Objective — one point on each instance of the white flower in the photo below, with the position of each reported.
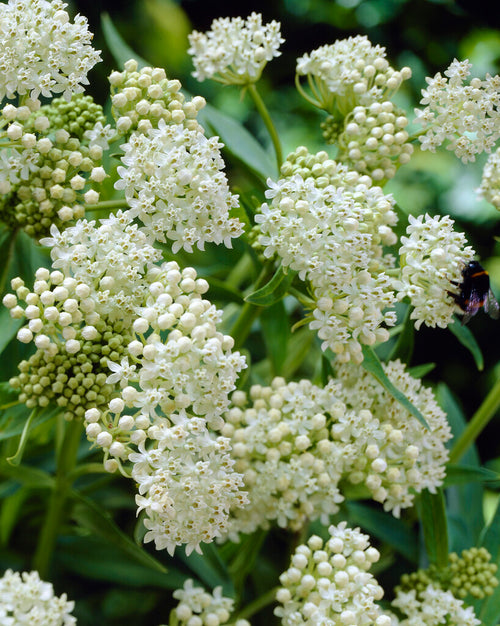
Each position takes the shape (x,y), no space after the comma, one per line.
(235,51)
(329,583)
(100,135)
(434,606)
(432,259)
(187,484)
(468,116)
(25,599)
(350,72)
(330,227)
(174,183)
(41,51)
(386,448)
(490,182)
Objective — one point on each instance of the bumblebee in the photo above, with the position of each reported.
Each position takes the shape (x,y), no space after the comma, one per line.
(475,292)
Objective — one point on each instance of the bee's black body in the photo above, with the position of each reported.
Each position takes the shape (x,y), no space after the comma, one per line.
(475,292)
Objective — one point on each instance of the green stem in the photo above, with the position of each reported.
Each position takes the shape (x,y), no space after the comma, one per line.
(87,468)
(264,113)
(478,422)
(249,312)
(18,456)
(66,462)
(258,604)
(11,242)
(240,272)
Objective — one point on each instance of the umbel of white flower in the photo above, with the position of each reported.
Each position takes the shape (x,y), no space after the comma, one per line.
(328,224)
(465,116)
(328,582)
(348,73)
(432,259)
(25,599)
(41,51)
(174,183)
(490,181)
(235,51)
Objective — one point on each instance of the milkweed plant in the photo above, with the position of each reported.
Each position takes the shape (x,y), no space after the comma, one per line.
(217,423)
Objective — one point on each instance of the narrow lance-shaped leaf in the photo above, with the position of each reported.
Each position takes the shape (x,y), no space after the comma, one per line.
(467,339)
(372,364)
(120,50)
(274,290)
(434,526)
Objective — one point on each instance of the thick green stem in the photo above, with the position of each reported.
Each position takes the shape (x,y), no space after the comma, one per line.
(264,113)
(478,422)
(66,462)
(106,206)
(4,272)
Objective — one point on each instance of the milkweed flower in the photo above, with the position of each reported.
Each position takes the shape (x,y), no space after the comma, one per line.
(432,259)
(348,73)
(490,181)
(328,582)
(466,116)
(235,51)
(433,606)
(174,183)
(25,599)
(328,224)
(41,51)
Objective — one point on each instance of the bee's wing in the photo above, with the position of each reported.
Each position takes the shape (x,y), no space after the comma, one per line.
(491,306)
(473,303)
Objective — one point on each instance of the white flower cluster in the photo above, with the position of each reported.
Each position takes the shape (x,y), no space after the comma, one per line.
(235,51)
(41,51)
(385,447)
(333,235)
(25,599)
(434,606)
(468,116)
(375,141)
(290,465)
(329,582)
(174,183)
(110,259)
(432,259)
(490,181)
(187,483)
(46,171)
(140,98)
(197,607)
(350,72)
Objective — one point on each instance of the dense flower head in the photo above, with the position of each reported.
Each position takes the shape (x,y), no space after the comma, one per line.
(432,259)
(390,451)
(174,183)
(187,483)
(490,181)
(73,344)
(47,173)
(41,51)
(235,51)
(330,226)
(290,465)
(197,607)
(434,607)
(374,140)
(328,582)
(350,72)
(25,599)
(466,116)
(140,98)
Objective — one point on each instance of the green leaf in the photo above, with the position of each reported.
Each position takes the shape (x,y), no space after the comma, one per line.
(299,346)
(385,527)
(465,474)
(490,538)
(274,290)
(120,50)
(9,327)
(89,515)
(239,142)
(275,330)
(13,419)
(209,567)
(490,612)
(27,475)
(8,395)
(419,371)
(219,290)
(372,364)
(10,512)
(434,526)
(403,349)
(467,339)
